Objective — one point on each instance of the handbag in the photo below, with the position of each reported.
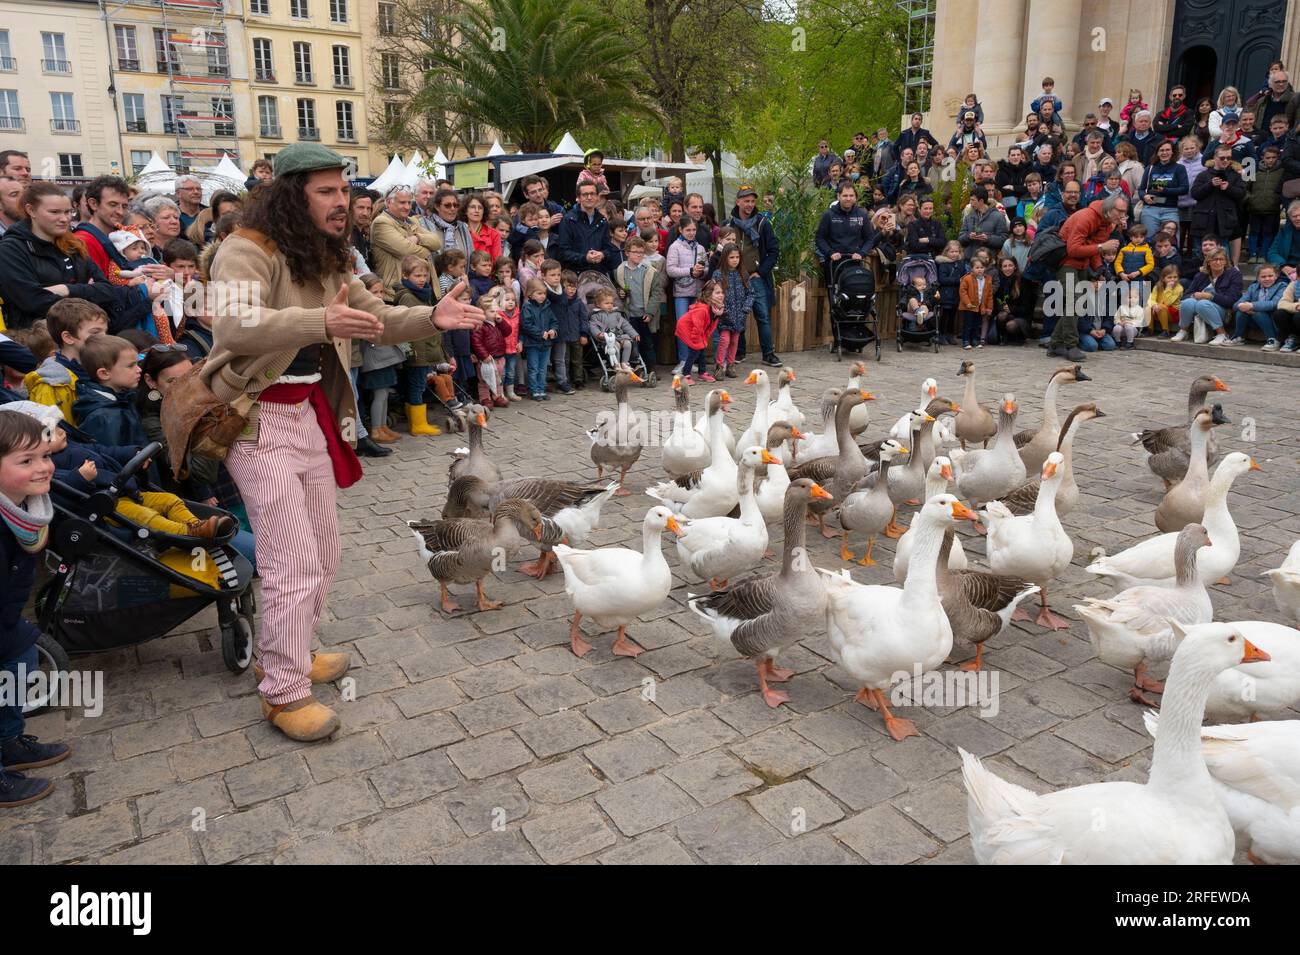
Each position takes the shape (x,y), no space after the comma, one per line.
(196,421)
(1291,189)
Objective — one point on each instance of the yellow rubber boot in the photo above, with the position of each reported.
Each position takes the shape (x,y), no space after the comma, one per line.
(419,422)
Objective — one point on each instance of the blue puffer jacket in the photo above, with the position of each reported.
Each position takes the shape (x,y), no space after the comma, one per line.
(17,576)
(108,461)
(950,274)
(109,417)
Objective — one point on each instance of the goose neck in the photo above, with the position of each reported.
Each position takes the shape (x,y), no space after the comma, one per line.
(921,583)
(1050,420)
(1177,766)
(796,533)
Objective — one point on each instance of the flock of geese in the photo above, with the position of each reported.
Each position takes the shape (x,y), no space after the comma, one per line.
(721,492)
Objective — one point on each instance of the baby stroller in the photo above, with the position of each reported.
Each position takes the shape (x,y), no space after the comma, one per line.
(928,332)
(853,307)
(116,583)
(607,357)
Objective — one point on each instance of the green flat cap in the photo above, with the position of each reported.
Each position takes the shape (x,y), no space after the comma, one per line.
(306,157)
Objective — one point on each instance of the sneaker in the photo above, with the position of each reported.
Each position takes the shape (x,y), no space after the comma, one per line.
(26,752)
(773,359)
(546,397)
(677,368)
(1290,344)
(740,356)
(514,395)
(979,344)
(1181,336)
(18,790)
(1221,339)
(705,376)
(566,389)
(539,397)
(687,379)
(1165,335)
(1233,341)
(1271,345)
(731,371)
(968,347)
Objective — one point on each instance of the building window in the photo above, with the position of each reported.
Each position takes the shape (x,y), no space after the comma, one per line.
(178,160)
(920,56)
(10,117)
(172,107)
(128,54)
(391,69)
(393,116)
(307,128)
(342,66)
(263,60)
(139,159)
(64,117)
(387,19)
(133,113)
(302,63)
(164,51)
(54,58)
(431,125)
(268,116)
(7,62)
(338,11)
(70,166)
(218,56)
(223,107)
(260,7)
(298,10)
(347,130)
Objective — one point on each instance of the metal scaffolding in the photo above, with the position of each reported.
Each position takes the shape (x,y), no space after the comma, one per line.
(190,46)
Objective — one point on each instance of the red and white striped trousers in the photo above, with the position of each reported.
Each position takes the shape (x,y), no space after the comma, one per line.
(287,483)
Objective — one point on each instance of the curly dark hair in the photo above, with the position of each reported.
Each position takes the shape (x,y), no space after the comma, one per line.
(278,211)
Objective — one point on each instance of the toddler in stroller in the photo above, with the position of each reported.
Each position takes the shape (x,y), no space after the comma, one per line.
(918,303)
(613,338)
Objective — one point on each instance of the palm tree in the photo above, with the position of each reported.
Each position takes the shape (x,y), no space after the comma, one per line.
(530,69)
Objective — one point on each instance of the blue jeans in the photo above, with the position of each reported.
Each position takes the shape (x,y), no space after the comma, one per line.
(680,305)
(1088,343)
(508,378)
(1209,311)
(1152,216)
(362,433)
(693,357)
(762,315)
(417,379)
(537,357)
(1262,319)
(11,717)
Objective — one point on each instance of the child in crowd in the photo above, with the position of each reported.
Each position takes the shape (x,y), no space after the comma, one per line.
(922,304)
(739,300)
(1094,321)
(480,272)
(1017,244)
(695,329)
(182,257)
(674,191)
(1257,306)
(1166,251)
(1263,202)
(975,305)
(1135,263)
(379,371)
(489,344)
(22,350)
(1130,317)
(1036,105)
(1135,104)
(1033,192)
(593,171)
(456,344)
(617,236)
(571,316)
(503,271)
(1163,303)
(105,405)
(504,226)
(525,229)
(133,247)
(641,289)
(26,470)
(423,355)
(952,267)
(539,328)
(509,312)
(607,322)
(530,262)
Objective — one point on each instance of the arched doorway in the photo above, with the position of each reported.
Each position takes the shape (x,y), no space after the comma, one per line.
(1197,70)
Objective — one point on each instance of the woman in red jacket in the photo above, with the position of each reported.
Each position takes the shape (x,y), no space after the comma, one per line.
(695,328)
(473,212)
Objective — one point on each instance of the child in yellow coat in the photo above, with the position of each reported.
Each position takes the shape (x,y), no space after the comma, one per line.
(1165,296)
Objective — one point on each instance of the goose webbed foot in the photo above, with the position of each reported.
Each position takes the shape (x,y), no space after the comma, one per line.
(448,605)
(1050,620)
(777,674)
(866,698)
(579,646)
(623,647)
(973,666)
(1137,696)
(483,602)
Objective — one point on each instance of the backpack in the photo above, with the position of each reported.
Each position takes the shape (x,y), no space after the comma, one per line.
(1048,249)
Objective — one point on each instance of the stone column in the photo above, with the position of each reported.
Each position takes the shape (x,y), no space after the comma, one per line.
(999,62)
(1052,49)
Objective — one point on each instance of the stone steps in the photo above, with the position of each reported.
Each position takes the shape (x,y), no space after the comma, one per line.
(1249,353)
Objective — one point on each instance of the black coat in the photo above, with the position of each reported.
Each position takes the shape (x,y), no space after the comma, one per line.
(1010,179)
(29,265)
(1218,211)
(844,232)
(931,229)
(950,275)
(17,576)
(577,236)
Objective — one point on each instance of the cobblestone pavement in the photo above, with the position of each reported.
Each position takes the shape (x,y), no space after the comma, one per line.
(483,739)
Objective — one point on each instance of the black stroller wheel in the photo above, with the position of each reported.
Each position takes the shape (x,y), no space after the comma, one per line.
(934,344)
(900,348)
(898,342)
(237,644)
(651,380)
(604,383)
(51,658)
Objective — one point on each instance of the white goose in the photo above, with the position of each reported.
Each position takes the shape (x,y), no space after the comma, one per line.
(615,585)
(1033,546)
(869,509)
(1175,818)
(756,433)
(715,492)
(772,488)
(718,548)
(984,474)
(728,437)
(686,450)
(937,480)
(826,444)
(1286,584)
(1260,690)
(1256,772)
(944,432)
(784,408)
(1132,629)
(1035,444)
(1152,561)
(860,420)
(879,632)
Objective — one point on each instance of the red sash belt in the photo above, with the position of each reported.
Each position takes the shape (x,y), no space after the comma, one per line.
(344,461)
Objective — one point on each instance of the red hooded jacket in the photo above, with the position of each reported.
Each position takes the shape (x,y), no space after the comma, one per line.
(696,327)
